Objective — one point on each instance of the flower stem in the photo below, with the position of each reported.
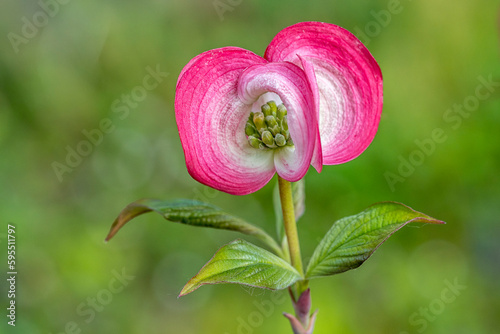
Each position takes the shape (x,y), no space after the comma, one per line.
(292,236)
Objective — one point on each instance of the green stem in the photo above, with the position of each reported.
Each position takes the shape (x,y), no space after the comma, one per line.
(292,236)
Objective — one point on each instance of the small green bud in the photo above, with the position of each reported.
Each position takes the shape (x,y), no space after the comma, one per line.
(271,121)
(272,125)
(272,104)
(280,140)
(268,139)
(266,110)
(255,142)
(284,123)
(281,112)
(259,121)
(250,129)
(286,134)
(275,130)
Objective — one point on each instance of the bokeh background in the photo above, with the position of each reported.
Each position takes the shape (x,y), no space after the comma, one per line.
(65,74)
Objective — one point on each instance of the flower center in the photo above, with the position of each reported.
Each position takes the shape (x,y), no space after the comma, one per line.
(268,128)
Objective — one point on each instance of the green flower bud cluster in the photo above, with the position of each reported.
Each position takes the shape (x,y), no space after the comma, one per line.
(268,128)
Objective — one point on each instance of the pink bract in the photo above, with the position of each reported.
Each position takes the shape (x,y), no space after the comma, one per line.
(326,78)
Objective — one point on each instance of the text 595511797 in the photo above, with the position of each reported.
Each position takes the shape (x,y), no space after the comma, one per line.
(11,274)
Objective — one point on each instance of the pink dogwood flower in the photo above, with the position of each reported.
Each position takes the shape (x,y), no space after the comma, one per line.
(315,98)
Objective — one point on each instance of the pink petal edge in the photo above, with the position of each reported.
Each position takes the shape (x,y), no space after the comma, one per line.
(317,159)
(211,120)
(349,82)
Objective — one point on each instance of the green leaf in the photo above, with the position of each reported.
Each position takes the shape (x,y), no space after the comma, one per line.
(193,213)
(299,204)
(352,240)
(244,263)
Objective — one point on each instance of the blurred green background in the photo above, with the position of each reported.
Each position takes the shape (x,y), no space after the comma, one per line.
(62,74)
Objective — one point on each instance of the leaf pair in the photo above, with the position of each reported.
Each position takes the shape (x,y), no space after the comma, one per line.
(349,242)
